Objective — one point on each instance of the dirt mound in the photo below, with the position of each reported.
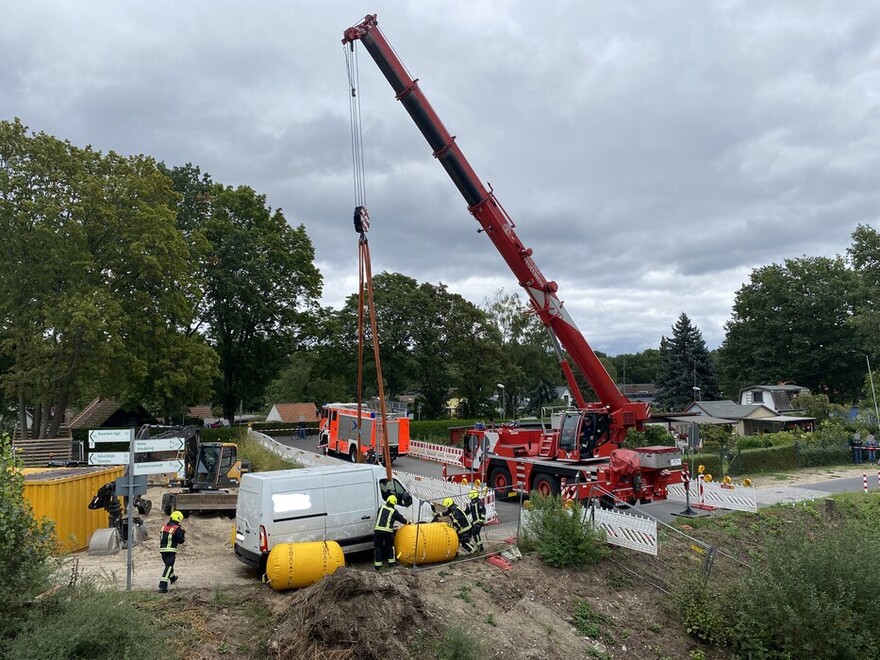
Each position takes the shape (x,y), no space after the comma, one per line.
(354,614)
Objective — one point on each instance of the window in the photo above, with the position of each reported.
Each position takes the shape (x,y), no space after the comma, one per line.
(758,397)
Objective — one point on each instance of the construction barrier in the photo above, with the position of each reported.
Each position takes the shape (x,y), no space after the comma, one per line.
(714,495)
(428,489)
(437,453)
(626,530)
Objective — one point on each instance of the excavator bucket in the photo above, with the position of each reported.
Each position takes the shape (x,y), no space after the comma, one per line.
(105,541)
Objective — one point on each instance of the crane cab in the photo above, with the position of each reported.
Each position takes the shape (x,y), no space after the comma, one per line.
(581,434)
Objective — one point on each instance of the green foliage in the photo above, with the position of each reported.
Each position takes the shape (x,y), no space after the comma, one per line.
(685,363)
(25,543)
(460,644)
(810,570)
(792,322)
(818,407)
(236,434)
(652,435)
(563,540)
(587,621)
(262,460)
(87,623)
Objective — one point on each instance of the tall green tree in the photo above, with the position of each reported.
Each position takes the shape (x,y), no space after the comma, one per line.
(864,255)
(91,278)
(641,367)
(685,364)
(261,285)
(791,322)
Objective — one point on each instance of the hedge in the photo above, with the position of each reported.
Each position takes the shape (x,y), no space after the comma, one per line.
(772,459)
(225,434)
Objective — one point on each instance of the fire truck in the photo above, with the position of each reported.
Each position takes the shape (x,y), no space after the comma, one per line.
(579,455)
(338,431)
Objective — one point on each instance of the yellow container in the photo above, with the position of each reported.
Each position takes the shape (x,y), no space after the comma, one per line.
(63,494)
(425,543)
(297,565)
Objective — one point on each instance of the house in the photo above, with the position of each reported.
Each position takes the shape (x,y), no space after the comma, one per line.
(779,398)
(645,392)
(751,419)
(564,393)
(107,413)
(293,413)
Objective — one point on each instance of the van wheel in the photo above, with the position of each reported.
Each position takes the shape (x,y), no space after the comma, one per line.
(353,455)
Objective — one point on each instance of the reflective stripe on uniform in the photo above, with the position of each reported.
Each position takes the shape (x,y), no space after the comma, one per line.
(383,518)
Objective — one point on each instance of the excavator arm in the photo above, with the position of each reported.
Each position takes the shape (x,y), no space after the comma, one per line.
(498,226)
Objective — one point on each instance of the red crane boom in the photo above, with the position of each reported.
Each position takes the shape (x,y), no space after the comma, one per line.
(498,226)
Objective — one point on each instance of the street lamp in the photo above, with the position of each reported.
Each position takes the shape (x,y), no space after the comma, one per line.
(501,398)
(697,393)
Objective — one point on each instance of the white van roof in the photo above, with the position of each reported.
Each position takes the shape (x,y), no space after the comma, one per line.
(312,471)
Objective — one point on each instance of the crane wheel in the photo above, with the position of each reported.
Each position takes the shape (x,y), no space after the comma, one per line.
(545,484)
(499,479)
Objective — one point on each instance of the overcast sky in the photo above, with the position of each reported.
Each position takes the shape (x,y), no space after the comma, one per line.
(651,153)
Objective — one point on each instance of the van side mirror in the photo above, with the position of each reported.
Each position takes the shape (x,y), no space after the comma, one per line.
(406,499)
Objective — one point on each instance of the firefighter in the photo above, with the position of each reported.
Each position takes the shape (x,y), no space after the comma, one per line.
(383,532)
(476,511)
(171,537)
(460,523)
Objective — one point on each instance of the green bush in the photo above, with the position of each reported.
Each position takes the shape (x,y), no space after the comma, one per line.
(25,543)
(800,598)
(460,644)
(652,436)
(87,623)
(224,434)
(753,442)
(262,460)
(563,540)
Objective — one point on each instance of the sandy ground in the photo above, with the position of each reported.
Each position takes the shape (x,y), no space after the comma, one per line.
(205,560)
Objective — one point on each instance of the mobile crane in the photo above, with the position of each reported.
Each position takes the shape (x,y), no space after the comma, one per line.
(580,456)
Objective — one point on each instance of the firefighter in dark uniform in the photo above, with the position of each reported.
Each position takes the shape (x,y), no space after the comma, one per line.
(383,532)
(460,523)
(476,511)
(171,537)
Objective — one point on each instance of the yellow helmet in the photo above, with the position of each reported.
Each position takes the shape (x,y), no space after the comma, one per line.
(448,502)
(177,516)
(392,500)
(474,494)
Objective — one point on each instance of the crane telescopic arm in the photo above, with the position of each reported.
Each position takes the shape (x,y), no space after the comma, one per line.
(499,227)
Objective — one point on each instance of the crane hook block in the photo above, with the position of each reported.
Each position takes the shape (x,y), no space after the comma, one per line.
(552,287)
(361,220)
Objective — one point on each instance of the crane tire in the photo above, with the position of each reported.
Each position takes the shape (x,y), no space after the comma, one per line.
(545,484)
(499,479)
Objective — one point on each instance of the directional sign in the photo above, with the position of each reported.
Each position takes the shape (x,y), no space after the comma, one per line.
(159,444)
(109,435)
(108,458)
(157,467)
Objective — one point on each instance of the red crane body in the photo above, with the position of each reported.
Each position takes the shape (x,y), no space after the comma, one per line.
(609,419)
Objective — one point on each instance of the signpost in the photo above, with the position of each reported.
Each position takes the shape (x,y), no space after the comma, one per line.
(134,482)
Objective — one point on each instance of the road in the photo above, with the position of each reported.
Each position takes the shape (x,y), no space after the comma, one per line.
(664,511)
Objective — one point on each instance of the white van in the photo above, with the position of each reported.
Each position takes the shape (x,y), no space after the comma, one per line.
(329,503)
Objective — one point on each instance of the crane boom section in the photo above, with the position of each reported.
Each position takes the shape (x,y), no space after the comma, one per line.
(498,226)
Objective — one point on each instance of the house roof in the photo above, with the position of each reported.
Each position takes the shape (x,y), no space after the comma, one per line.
(94,414)
(780,394)
(730,409)
(291,412)
(201,412)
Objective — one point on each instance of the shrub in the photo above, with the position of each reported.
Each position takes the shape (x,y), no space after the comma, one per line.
(801,597)
(460,644)
(25,543)
(262,460)
(87,623)
(562,537)
(653,435)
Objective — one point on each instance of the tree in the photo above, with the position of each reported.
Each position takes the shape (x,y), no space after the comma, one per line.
(865,258)
(94,271)
(685,364)
(641,367)
(791,322)
(260,285)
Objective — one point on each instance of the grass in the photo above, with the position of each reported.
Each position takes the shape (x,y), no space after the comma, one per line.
(262,460)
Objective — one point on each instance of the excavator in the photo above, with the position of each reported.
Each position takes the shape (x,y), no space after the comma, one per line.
(210,469)
(580,455)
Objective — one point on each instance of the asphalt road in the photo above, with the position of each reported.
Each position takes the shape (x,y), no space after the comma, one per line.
(663,511)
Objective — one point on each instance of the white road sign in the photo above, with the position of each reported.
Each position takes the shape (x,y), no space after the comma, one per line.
(158,444)
(157,467)
(108,458)
(109,435)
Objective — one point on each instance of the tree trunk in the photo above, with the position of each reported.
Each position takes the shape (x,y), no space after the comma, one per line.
(45,415)
(58,417)
(22,413)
